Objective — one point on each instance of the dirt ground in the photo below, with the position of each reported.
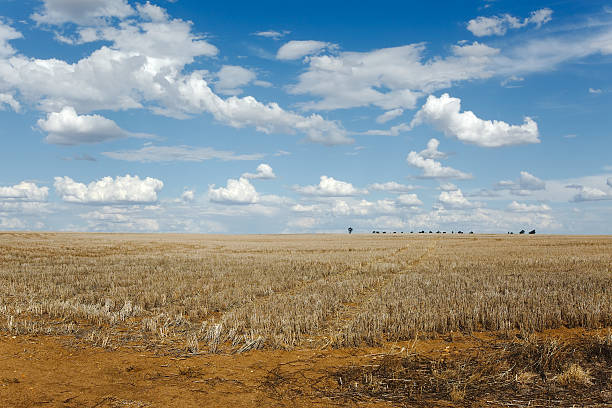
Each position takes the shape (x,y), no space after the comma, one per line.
(51,372)
(46,371)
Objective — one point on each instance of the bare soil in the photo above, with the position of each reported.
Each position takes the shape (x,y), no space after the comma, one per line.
(53,371)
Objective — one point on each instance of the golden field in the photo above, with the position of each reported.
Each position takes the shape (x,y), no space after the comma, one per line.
(198,295)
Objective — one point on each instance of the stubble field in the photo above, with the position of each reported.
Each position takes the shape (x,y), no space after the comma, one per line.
(418,320)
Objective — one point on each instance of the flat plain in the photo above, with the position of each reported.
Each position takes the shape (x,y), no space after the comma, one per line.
(276,320)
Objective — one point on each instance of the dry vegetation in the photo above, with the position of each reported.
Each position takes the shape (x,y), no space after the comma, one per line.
(191,295)
(224,293)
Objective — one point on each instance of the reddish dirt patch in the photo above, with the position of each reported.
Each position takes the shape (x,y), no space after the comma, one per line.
(57,372)
(51,372)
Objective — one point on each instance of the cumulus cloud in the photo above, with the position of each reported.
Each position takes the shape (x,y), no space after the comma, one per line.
(9,100)
(153,154)
(454,199)
(444,113)
(143,66)
(7,33)
(297,49)
(363,207)
(499,25)
(24,191)
(586,193)
(11,223)
(391,187)
(264,172)
(330,187)
(432,168)
(432,152)
(188,196)
(409,200)
(120,190)
(448,187)
(390,78)
(239,191)
(525,185)
(231,78)
(389,115)
(69,128)
(303,223)
(83,12)
(267,118)
(398,77)
(609,181)
(523,207)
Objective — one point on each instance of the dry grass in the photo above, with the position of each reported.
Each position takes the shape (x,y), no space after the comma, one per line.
(574,375)
(195,294)
(523,372)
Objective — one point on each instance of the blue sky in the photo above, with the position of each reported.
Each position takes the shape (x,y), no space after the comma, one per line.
(273,117)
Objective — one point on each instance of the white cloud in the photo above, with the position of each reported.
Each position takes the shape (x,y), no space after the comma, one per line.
(389,115)
(528,181)
(297,49)
(231,78)
(590,194)
(121,190)
(525,184)
(68,128)
(409,200)
(8,99)
(110,218)
(144,67)
(387,221)
(83,12)
(432,152)
(151,12)
(152,154)
(512,81)
(392,187)
(432,168)
(142,64)
(330,187)
(303,223)
(595,90)
(609,181)
(499,25)
(398,77)
(276,35)
(454,199)
(264,172)
(239,191)
(481,220)
(448,187)
(24,191)
(267,118)
(362,207)
(188,196)
(11,223)
(523,207)
(389,78)
(7,33)
(393,131)
(299,208)
(444,113)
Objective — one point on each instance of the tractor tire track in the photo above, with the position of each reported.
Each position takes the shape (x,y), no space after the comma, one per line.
(342,320)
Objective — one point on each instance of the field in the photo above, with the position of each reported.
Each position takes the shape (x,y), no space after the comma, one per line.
(374,320)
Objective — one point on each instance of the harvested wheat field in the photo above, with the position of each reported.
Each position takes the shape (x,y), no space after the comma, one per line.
(116,320)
